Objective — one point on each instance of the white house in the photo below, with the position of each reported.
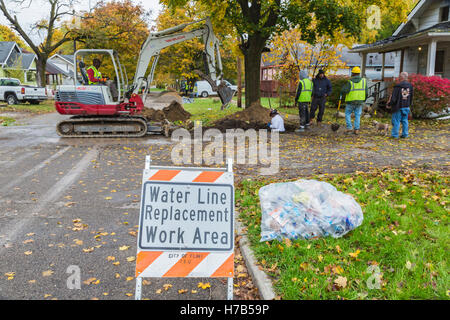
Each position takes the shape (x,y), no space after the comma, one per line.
(421,44)
(373,64)
(65,63)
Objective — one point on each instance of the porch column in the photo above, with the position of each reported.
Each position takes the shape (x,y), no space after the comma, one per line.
(383,61)
(363,64)
(431,57)
(402,58)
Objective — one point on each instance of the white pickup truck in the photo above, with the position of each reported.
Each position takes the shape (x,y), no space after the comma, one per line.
(13,92)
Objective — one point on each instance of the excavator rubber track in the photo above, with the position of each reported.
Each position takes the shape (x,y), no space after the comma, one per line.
(102,127)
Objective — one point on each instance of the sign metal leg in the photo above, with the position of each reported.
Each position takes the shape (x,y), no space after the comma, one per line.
(138,293)
(230,289)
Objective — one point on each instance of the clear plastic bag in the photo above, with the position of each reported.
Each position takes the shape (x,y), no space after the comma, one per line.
(306,209)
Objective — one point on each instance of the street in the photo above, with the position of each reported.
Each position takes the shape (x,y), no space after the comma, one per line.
(72,205)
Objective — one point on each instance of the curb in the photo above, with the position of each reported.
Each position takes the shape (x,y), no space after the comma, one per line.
(262,281)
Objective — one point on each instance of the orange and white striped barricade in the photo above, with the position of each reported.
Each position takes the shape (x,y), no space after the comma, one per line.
(186,224)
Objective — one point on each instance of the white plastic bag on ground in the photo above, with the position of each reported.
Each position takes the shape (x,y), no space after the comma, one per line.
(306,209)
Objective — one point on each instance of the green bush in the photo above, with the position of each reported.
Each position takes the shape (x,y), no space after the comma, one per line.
(337,82)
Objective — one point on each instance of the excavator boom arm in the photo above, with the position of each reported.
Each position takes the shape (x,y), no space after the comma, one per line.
(166,38)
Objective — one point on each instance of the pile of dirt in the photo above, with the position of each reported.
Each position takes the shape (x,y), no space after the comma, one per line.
(255,117)
(168,97)
(173,112)
(153,115)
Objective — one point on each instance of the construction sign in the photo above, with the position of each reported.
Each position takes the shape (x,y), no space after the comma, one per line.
(186,223)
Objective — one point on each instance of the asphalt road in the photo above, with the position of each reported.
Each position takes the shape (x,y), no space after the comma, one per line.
(69,205)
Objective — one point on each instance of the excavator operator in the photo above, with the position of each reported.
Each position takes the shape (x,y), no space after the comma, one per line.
(95,77)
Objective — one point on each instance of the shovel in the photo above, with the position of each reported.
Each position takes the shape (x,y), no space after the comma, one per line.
(335,126)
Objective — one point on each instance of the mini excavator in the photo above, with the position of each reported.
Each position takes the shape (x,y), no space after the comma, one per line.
(97,113)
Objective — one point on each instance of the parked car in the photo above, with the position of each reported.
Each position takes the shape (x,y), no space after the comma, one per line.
(203,88)
(13,92)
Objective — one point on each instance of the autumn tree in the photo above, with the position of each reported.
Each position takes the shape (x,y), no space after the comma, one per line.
(182,59)
(6,34)
(380,17)
(118,25)
(292,54)
(256,21)
(59,10)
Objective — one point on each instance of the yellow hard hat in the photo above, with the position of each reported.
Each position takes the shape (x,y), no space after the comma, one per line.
(356,70)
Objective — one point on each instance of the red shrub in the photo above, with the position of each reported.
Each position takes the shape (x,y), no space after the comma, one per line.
(431,94)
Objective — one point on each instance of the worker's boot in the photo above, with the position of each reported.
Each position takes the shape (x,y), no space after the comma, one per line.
(301,129)
(356,132)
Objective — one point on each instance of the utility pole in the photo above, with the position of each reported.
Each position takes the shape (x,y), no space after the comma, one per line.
(74,40)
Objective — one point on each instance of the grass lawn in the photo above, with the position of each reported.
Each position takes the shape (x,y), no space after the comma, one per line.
(404,236)
(6,121)
(44,107)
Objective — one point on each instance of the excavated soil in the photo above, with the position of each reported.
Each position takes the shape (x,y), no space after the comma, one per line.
(173,112)
(255,117)
(168,97)
(176,112)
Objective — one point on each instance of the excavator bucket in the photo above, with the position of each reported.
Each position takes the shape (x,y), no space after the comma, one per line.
(225,93)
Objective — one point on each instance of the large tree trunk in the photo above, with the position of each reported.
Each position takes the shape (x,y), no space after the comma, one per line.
(252,66)
(40,76)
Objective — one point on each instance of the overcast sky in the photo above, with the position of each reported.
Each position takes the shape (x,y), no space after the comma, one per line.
(34,10)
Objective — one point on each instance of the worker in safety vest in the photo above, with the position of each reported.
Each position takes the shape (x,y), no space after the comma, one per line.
(95,76)
(355,91)
(303,100)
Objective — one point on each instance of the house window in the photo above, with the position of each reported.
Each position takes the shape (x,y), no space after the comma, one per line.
(444,14)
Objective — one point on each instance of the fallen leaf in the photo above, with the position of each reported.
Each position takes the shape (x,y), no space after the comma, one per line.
(354,254)
(341,282)
(203,285)
(409,265)
(89,281)
(10,275)
(47,273)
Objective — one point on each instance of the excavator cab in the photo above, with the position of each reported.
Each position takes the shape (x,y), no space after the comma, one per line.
(107,93)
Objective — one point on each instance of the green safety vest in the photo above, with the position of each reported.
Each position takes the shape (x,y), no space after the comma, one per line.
(97,74)
(306,93)
(357,91)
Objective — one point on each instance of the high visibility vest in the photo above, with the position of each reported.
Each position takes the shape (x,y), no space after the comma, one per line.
(357,91)
(306,93)
(97,74)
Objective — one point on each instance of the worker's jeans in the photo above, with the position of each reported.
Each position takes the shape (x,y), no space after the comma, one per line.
(357,110)
(400,116)
(318,102)
(303,112)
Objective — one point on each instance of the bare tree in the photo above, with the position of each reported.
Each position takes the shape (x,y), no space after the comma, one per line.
(58,10)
